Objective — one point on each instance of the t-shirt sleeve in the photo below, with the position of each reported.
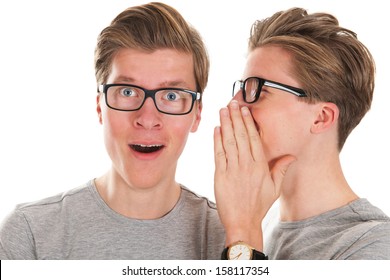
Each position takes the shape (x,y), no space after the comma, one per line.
(16,239)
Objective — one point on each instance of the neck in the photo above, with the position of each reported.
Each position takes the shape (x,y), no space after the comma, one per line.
(313,188)
(140,201)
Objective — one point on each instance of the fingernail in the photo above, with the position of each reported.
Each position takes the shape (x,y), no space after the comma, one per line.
(224,112)
(234,104)
(245,111)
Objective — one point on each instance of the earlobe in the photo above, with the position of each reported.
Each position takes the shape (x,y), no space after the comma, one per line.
(327,117)
(99,109)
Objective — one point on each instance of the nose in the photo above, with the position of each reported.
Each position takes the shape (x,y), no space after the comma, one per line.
(148,117)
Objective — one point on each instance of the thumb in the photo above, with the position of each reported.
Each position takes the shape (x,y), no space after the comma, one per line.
(279,170)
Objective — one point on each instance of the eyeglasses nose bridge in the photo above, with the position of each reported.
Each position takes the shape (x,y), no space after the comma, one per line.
(151,94)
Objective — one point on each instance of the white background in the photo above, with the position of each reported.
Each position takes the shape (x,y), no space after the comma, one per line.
(51,141)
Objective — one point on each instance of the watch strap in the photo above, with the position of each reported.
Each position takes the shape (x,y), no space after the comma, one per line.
(256,255)
(224,254)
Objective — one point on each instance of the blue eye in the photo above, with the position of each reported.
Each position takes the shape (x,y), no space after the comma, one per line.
(171,96)
(127,92)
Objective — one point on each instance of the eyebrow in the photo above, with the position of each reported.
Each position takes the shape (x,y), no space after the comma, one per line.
(174,83)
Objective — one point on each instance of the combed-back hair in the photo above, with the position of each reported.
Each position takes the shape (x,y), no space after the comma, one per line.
(150,27)
(331,64)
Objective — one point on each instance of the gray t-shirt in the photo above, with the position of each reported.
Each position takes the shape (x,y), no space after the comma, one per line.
(78,224)
(358,230)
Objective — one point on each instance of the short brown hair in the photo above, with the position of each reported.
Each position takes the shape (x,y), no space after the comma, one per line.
(331,64)
(150,27)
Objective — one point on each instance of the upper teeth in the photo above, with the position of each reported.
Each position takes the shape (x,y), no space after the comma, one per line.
(148,146)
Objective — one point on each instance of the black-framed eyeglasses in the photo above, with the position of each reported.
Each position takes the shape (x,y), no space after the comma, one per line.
(251,88)
(171,101)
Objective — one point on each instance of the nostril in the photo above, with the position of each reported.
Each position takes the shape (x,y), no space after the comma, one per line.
(148,124)
(148,120)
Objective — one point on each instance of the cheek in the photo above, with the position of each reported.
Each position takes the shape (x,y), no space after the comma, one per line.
(273,133)
(113,125)
(279,133)
(179,129)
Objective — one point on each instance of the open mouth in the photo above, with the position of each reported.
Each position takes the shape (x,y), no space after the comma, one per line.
(146,148)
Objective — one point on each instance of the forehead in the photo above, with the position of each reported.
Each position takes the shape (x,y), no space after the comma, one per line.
(271,63)
(162,67)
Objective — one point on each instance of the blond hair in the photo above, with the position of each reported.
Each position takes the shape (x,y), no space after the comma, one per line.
(331,64)
(150,27)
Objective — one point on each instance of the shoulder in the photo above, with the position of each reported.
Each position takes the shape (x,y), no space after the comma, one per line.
(371,233)
(197,200)
(372,244)
(44,211)
(367,211)
(55,203)
(198,207)
(365,217)
(202,216)
(20,230)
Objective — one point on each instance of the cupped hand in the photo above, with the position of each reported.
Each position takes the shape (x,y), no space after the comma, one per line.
(245,188)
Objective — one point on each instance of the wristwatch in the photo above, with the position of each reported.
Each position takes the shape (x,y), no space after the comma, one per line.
(242,251)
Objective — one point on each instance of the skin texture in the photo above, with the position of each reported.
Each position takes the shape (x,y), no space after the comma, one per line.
(137,182)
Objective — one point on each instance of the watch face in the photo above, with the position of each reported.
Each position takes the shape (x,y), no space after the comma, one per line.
(239,252)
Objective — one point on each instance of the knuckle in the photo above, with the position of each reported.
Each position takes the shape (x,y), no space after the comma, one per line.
(220,154)
(254,138)
(230,142)
(242,135)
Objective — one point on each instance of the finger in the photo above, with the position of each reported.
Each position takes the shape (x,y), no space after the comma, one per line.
(219,152)
(228,139)
(254,138)
(240,133)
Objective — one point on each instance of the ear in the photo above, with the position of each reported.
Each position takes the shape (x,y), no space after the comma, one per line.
(327,117)
(99,109)
(198,116)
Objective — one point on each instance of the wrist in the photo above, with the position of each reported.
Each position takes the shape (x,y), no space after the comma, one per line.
(251,236)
